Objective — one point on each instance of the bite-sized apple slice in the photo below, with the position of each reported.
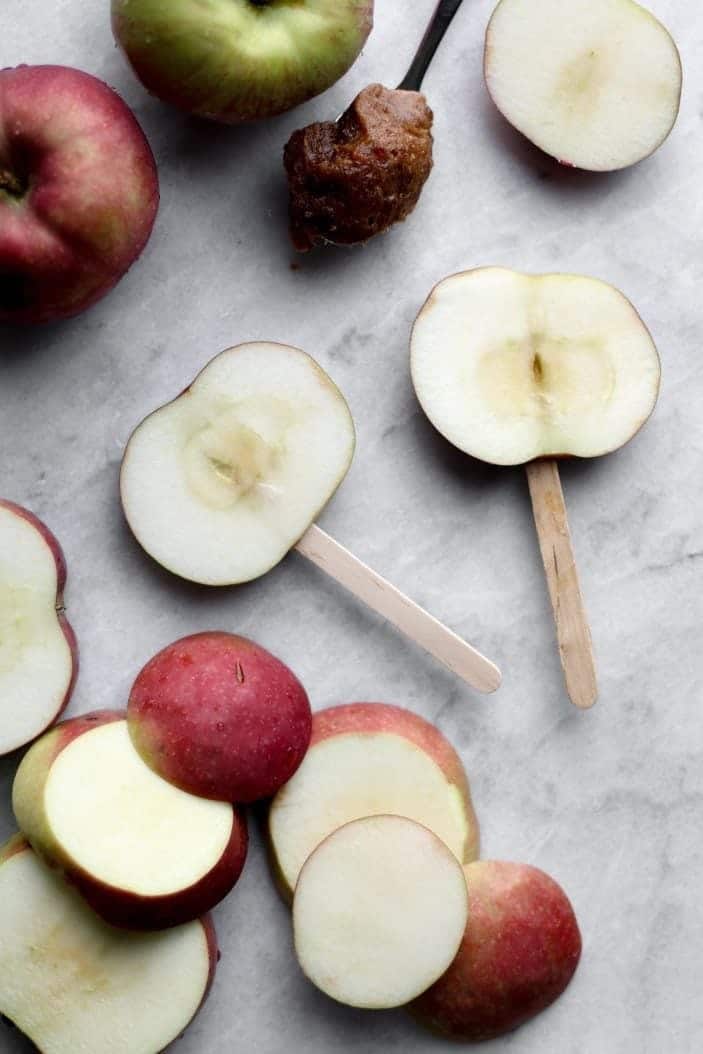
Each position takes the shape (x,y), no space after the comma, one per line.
(512,367)
(242,461)
(71,983)
(38,649)
(144,854)
(368,759)
(221,717)
(379,912)
(594,83)
(519,952)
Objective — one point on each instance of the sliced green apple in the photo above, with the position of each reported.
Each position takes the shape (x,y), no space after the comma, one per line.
(512,367)
(594,83)
(219,484)
(71,983)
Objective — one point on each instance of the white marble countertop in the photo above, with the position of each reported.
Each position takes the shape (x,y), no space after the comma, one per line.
(610,801)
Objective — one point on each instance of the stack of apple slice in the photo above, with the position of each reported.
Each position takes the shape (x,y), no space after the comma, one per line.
(376,841)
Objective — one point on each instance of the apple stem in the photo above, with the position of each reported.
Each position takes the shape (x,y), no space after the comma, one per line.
(11,184)
(439,24)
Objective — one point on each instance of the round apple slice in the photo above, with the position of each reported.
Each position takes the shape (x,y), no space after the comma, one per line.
(369,759)
(38,649)
(71,983)
(144,854)
(594,83)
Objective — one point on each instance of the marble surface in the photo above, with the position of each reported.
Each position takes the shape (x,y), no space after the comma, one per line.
(610,801)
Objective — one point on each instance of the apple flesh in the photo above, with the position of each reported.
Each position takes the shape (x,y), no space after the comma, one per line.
(594,83)
(512,367)
(379,912)
(519,952)
(242,461)
(368,759)
(144,854)
(240,60)
(220,717)
(79,192)
(71,983)
(38,649)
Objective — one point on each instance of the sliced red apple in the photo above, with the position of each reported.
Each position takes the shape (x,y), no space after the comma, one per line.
(512,367)
(71,983)
(368,759)
(241,462)
(38,649)
(379,912)
(144,854)
(594,83)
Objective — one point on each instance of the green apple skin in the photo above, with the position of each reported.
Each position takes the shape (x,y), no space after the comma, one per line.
(240,60)
(519,952)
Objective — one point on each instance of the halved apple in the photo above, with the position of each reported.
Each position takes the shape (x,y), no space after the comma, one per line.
(144,854)
(594,83)
(512,367)
(38,649)
(379,912)
(219,484)
(71,983)
(368,759)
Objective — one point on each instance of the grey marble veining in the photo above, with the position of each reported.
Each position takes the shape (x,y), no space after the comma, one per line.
(610,802)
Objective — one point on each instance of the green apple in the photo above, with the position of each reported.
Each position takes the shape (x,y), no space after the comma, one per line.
(240,60)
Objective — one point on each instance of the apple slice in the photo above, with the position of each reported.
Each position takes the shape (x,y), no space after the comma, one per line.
(144,854)
(368,759)
(594,83)
(38,649)
(379,912)
(242,462)
(71,983)
(512,367)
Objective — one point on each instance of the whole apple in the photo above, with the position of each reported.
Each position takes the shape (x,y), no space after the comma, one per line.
(79,192)
(240,60)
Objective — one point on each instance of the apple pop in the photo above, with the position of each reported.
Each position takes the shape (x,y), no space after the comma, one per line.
(221,483)
(520,369)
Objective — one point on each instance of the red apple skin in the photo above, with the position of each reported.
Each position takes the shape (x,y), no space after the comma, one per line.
(117,907)
(220,717)
(521,947)
(69,236)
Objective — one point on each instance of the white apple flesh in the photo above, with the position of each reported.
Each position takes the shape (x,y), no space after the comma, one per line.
(38,650)
(71,983)
(594,83)
(512,367)
(219,484)
(379,912)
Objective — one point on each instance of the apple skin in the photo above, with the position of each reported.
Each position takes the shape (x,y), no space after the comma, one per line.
(117,907)
(220,717)
(79,192)
(211,59)
(519,952)
(61,574)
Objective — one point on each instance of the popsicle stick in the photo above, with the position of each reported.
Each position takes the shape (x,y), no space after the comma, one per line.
(573,634)
(398,609)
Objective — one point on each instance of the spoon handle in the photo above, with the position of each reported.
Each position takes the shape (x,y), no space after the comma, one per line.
(441,20)
(396,608)
(573,634)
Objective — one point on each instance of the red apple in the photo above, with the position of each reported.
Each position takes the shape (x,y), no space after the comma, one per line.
(520,950)
(78,192)
(38,648)
(144,854)
(221,717)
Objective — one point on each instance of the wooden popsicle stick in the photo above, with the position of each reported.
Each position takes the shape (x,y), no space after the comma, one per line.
(573,633)
(398,609)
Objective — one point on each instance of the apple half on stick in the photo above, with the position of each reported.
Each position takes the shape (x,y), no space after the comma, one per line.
(368,759)
(594,83)
(144,854)
(71,983)
(379,912)
(38,648)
